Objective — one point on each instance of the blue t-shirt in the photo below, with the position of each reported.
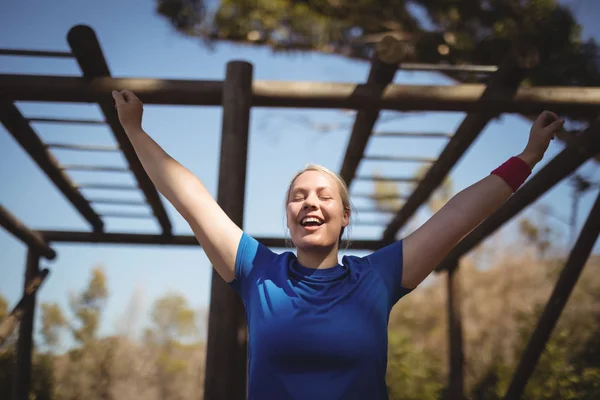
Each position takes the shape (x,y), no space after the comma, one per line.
(317,333)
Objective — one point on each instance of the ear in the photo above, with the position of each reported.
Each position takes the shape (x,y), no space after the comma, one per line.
(346,218)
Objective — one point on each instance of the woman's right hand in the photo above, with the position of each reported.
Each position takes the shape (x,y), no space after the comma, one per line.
(129,108)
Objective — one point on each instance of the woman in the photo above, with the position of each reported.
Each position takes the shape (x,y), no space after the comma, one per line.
(318,328)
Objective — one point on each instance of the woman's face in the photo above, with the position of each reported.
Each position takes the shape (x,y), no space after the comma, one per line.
(315,213)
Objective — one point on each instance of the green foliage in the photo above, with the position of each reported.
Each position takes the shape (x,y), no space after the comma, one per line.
(413,373)
(87,307)
(172,318)
(53,321)
(3,308)
(461,32)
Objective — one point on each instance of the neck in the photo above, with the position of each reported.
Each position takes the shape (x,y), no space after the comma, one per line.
(318,258)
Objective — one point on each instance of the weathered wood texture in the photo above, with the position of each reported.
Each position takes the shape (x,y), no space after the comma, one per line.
(32,239)
(87,51)
(283,94)
(502,87)
(22,377)
(226,350)
(23,133)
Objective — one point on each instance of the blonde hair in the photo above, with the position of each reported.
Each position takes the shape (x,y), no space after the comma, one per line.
(342,188)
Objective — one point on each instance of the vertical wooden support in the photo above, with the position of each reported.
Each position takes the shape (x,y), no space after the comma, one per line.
(562,290)
(227,339)
(456,378)
(25,342)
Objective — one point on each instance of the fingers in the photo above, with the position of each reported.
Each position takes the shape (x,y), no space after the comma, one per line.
(129,96)
(124,97)
(554,127)
(119,100)
(545,119)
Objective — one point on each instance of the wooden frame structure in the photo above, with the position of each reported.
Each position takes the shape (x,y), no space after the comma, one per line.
(226,354)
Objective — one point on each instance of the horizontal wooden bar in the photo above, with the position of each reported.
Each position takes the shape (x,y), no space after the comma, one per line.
(432,135)
(32,239)
(126,215)
(8,324)
(66,121)
(94,168)
(122,202)
(387,178)
(374,196)
(35,53)
(503,85)
(380,224)
(23,133)
(398,159)
(106,186)
(89,55)
(580,150)
(82,147)
(447,68)
(375,210)
(175,240)
(464,97)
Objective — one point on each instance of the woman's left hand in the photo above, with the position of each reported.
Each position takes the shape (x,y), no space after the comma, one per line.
(542,132)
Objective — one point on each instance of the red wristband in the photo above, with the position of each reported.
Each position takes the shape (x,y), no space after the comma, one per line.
(514,172)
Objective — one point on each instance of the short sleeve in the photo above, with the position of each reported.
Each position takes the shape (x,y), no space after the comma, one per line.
(250,257)
(387,261)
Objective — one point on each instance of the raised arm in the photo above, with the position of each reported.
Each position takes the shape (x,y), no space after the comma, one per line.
(425,248)
(215,231)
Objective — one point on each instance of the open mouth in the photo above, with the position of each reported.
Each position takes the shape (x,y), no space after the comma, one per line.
(311,222)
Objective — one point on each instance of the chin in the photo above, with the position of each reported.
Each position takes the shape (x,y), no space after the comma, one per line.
(312,242)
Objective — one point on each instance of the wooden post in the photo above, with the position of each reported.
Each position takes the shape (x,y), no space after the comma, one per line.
(564,286)
(25,342)
(227,338)
(456,378)
(8,324)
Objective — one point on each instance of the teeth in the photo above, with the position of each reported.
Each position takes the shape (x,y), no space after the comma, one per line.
(311,219)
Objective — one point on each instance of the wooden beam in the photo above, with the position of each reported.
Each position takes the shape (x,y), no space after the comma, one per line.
(455,337)
(555,305)
(283,94)
(436,135)
(226,349)
(22,378)
(32,239)
(66,121)
(24,134)
(35,53)
(374,178)
(8,324)
(380,76)
(375,196)
(377,157)
(87,51)
(502,87)
(83,147)
(175,240)
(582,148)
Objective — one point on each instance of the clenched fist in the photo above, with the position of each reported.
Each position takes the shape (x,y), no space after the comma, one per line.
(129,108)
(542,132)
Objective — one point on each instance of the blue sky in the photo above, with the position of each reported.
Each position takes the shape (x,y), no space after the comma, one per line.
(138,43)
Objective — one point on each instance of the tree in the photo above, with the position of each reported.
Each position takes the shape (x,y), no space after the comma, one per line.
(431,31)
(3,308)
(172,321)
(53,321)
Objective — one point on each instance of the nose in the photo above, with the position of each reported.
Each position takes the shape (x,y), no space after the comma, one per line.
(310,202)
